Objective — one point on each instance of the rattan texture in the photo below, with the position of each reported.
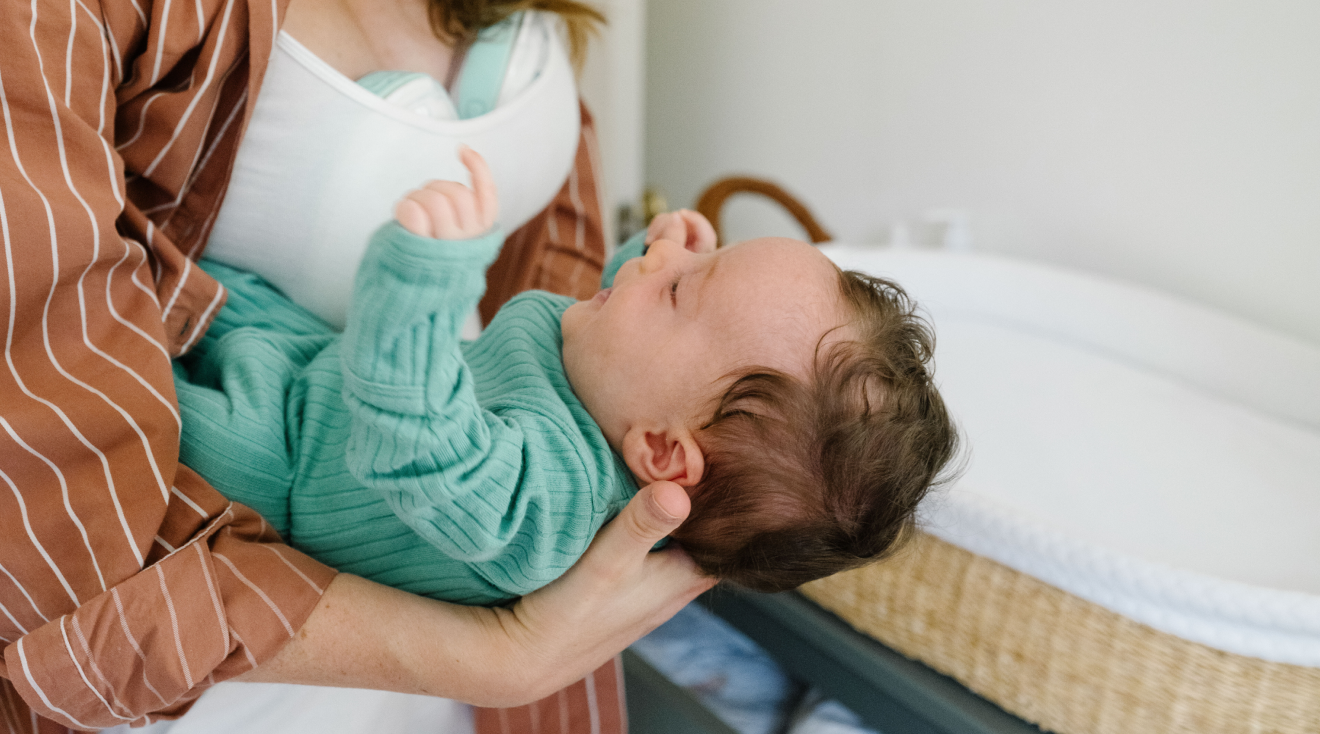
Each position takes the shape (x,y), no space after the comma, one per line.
(1064,663)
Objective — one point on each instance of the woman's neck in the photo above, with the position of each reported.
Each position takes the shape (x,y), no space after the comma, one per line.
(357,37)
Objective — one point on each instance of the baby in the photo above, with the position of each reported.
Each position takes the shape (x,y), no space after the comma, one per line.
(790,399)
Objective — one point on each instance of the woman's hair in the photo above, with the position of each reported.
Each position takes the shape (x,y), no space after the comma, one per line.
(807,478)
(460,20)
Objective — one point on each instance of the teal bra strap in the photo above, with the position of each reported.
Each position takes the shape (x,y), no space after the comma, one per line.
(382,83)
(478,88)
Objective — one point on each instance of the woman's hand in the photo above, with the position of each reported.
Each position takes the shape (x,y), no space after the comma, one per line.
(617,592)
(684,227)
(448,210)
(364,635)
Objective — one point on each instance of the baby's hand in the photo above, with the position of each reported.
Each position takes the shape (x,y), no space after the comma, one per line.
(448,210)
(685,227)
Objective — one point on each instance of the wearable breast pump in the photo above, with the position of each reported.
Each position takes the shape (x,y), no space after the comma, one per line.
(324,159)
(503,60)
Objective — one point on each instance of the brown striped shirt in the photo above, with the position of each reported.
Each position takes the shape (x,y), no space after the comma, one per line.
(127,584)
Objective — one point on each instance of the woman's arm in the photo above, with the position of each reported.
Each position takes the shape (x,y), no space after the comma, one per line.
(129,584)
(366,635)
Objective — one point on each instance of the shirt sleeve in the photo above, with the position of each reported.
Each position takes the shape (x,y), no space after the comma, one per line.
(418,435)
(127,584)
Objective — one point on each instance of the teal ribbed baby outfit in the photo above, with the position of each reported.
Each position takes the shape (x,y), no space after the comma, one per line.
(464,471)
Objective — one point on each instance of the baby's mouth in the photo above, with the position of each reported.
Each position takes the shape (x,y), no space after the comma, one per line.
(602,296)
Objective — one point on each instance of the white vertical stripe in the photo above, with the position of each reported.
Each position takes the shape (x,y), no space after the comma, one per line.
(32,535)
(158,269)
(73,656)
(215,597)
(68,55)
(103,33)
(287,627)
(27,673)
(132,641)
(552,224)
(579,211)
(293,568)
(114,44)
(201,21)
(619,692)
(562,699)
(142,17)
(593,706)
(199,93)
(199,325)
(196,167)
(146,259)
(274,23)
(142,121)
(9,339)
(23,590)
(4,103)
(82,305)
(110,304)
(579,232)
(503,716)
(160,47)
(169,548)
(178,288)
(17,625)
(174,624)
(251,659)
(206,158)
(188,501)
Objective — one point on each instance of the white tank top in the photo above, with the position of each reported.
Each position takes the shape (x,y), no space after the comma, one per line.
(324,161)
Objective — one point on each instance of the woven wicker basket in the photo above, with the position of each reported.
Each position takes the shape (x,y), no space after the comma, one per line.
(1064,663)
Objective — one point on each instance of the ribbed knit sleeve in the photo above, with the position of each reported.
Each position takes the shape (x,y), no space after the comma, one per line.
(418,434)
(482,450)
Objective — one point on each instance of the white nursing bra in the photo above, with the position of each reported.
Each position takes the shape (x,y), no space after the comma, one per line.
(324,161)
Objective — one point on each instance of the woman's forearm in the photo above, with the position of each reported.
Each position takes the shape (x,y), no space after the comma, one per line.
(364,635)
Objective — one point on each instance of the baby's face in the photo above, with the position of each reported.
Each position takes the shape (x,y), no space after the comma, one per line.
(654,349)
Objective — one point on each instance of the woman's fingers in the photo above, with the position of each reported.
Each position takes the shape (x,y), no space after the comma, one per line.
(617,592)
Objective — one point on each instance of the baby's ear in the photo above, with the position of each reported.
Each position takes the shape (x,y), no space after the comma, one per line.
(671,455)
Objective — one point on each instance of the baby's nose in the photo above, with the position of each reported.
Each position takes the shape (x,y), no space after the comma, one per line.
(659,253)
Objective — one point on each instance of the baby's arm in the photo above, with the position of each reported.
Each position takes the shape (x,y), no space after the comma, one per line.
(418,434)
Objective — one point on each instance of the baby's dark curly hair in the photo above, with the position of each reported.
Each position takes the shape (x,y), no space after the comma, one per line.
(807,478)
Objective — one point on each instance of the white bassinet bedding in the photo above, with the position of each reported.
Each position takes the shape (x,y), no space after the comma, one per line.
(1151,456)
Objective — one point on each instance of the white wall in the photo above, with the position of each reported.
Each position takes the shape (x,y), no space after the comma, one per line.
(1174,143)
(612,86)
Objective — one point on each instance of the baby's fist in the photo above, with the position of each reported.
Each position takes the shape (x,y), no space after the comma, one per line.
(448,210)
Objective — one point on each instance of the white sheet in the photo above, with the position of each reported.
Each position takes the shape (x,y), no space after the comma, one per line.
(288,709)
(1141,452)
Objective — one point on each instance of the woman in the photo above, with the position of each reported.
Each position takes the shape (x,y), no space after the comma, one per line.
(129,586)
